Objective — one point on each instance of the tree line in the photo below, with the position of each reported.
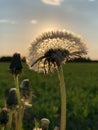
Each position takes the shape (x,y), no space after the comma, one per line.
(83,59)
(9,59)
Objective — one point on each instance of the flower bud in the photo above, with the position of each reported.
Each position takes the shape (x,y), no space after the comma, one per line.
(4,116)
(25,89)
(56,128)
(12,98)
(16,65)
(44,123)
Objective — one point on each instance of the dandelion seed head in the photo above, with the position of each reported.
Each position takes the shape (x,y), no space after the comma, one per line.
(51,49)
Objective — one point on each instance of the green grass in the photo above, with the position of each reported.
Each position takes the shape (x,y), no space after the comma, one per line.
(81,81)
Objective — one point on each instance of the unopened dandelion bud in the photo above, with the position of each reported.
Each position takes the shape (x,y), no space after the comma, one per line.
(12,101)
(56,128)
(45,123)
(4,116)
(25,88)
(37,129)
(16,65)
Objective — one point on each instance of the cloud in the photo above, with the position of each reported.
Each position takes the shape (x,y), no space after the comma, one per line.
(33,21)
(91,0)
(6,21)
(52,2)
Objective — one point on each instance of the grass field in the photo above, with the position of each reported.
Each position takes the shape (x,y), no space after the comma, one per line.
(81,81)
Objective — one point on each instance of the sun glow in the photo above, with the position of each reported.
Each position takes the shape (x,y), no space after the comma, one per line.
(50,27)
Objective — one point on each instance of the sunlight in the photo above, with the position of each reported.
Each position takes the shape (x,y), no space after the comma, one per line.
(49,27)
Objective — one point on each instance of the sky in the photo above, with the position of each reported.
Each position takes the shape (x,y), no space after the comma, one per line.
(21,21)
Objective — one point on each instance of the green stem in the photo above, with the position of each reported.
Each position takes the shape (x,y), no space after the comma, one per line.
(15,116)
(2,127)
(63,98)
(10,121)
(19,123)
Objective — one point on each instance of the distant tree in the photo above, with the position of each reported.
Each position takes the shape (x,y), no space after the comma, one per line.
(9,58)
(24,59)
(82,59)
(5,58)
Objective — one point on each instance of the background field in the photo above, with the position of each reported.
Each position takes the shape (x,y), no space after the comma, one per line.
(81,81)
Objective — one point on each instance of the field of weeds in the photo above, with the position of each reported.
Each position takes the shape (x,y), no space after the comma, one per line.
(81,80)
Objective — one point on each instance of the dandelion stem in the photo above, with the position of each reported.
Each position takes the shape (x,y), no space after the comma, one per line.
(19,123)
(63,98)
(10,120)
(2,127)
